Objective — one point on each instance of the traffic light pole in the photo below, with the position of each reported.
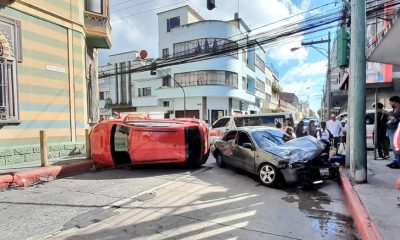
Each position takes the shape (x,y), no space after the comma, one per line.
(357,85)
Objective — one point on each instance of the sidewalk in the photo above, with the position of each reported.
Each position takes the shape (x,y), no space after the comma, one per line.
(379,197)
(27,173)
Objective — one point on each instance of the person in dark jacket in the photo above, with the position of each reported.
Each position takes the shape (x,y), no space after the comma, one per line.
(392,124)
(300,129)
(382,143)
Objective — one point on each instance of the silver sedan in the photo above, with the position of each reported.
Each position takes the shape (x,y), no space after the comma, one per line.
(264,151)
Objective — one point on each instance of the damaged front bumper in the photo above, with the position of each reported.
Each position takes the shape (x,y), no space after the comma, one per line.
(309,172)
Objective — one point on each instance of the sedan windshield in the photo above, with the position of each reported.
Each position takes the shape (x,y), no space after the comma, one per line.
(268,138)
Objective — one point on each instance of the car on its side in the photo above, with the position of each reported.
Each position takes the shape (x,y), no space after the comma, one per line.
(263,151)
(125,142)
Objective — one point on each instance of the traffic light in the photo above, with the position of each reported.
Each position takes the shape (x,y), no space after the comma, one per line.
(210,4)
(343,47)
(240,105)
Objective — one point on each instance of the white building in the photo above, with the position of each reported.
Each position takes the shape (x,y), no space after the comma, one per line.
(234,83)
(116,89)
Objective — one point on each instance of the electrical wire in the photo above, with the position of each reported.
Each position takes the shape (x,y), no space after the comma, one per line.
(139,13)
(128,7)
(295,28)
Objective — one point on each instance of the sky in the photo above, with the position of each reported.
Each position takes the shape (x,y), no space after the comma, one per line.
(134,27)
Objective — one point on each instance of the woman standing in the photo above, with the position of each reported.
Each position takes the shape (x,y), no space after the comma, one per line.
(312,129)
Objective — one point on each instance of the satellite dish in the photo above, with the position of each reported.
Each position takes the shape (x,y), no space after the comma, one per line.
(143,54)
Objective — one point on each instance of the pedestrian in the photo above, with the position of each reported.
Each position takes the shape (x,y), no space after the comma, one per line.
(381,143)
(300,129)
(323,134)
(392,126)
(312,129)
(290,133)
(334,127)
(343,131)
(278,125)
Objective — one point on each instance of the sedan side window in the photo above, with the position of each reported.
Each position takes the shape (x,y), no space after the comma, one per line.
(223,122)
(230,136)
(243,138)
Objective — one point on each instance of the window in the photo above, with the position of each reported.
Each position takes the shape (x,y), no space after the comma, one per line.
(216,114)
(267,97)
(166,81)
(143,92)
(251,58)
(370,118)
(260,85)
(268,82)
(202,45)
(165,53)
(223,122)
(230,136)
(242,139)
(104,95)
(260,64)
(244,83)
(173,23)
(7,90)
(209,77)
(165,103)
(95,6)
(10,55)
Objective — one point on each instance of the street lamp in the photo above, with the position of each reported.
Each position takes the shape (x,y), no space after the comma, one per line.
(328,73)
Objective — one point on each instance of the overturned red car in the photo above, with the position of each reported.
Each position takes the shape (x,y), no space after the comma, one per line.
(118,142)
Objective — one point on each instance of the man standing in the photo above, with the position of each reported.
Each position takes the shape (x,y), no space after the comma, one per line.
(382,143)
(392,125)
(334,126)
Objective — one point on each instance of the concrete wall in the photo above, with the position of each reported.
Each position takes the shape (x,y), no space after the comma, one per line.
(28,153)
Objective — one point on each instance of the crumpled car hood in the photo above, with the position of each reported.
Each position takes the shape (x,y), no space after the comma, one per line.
(301,149)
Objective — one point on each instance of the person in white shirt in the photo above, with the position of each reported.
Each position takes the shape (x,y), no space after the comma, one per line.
(323,134)
(334,126)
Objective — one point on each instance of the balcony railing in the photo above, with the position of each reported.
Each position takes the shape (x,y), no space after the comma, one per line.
(276,87)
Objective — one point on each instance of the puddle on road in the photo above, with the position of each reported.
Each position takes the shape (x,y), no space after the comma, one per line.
(329,224)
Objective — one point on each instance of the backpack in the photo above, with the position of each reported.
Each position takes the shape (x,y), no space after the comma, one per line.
(320,133)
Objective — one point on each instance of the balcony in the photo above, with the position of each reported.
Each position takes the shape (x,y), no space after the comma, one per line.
(276,88)
(384,48)
(97,24)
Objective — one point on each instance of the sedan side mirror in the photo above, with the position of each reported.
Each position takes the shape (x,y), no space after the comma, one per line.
(248,146)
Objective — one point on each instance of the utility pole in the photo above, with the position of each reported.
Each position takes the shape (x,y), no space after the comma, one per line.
(328,72)
(357,85)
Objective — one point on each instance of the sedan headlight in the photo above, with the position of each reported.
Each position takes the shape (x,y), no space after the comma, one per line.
(296,165)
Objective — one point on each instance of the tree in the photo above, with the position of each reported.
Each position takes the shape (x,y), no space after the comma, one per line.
(312,113)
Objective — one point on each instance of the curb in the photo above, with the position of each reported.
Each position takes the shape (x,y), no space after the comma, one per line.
(363,223)
(23,179)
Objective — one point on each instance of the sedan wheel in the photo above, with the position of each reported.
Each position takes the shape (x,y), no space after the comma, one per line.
(220,161)
(268,174)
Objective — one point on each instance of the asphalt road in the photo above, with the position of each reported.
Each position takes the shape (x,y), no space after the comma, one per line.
(169,202)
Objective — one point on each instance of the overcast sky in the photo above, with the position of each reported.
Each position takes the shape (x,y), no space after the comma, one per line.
(134,27)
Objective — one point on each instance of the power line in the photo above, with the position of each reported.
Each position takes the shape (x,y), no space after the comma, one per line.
(132,15)
(309,25)
(128,7)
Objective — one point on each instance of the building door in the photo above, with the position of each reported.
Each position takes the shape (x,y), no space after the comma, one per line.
(189,114)
(216,114)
